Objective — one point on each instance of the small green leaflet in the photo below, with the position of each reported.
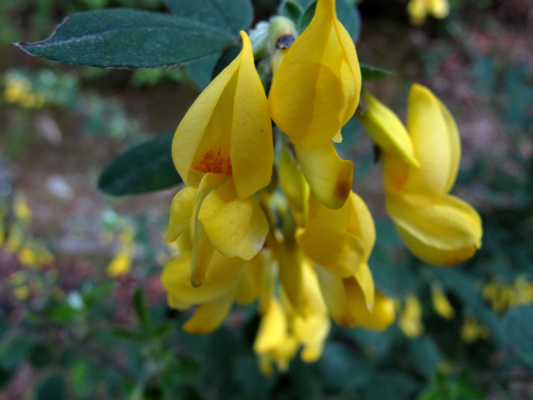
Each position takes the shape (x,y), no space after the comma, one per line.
(144,168)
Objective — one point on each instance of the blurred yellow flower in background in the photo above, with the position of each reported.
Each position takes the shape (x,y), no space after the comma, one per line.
(440,302)
(410,319)
(419,9)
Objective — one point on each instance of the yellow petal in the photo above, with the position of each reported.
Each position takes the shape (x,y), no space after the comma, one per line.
(290,272)
(210,315)
(439,8)
(317,86)
(120,265)
(339,253)
(410,321)
(329,177)
(382,314)
(364,279)
(252,148)
(442,231)
(386,130)
(417,10)
(222,277)
(436,142)
(272,329)
(440,302)
(202,253)
(395,172)
(236,227)
(312,332)
(332,288)
(339,240)
(181,211)
(227,130)
(312,351)
(248,286)
(202,249)
(362,225)
(267,280)
(21,209)
(294,186)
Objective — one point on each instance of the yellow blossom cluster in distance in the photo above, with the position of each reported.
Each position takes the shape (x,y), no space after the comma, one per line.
(419,10)
(300,243)
(502,296)
(19,90)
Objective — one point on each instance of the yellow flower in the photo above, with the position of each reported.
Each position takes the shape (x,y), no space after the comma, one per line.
(340,243)
(223,150)
(419,9)
(410,321)
(438,228)
(386,129)
(274,342)
(314,93)
(440,302)
(122,262)
(471,330)
(339,240)
(227,130)
(284,329)
(218,219)
(294,186)
(311,327)
(21,209)
(214,298)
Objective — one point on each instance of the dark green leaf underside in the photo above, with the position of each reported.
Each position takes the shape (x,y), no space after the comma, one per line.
(229,15)
(370,73)
(127,38)
(145,168)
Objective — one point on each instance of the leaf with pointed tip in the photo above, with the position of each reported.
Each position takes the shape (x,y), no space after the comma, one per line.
(144,168)
(370,73)
(518,328)
(125,38)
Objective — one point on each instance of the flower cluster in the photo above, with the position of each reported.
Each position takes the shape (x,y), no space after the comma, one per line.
(299,240)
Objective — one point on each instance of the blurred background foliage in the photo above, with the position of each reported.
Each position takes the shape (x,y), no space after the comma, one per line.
(83,313)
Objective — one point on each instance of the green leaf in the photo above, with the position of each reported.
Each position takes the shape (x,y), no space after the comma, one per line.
(40,356)
(52,388)
(227,57)
(518,329)
(142,309)
(187,368)
(231,16)
(15,352)
(5,377)
(162,330)
(304,4)
(144,168)
(340,368)
(129,334)
(375,342)
(201,71)
(127,38)
(291,10)
(349,16)
(425,355)
(370,73)
(391,385)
